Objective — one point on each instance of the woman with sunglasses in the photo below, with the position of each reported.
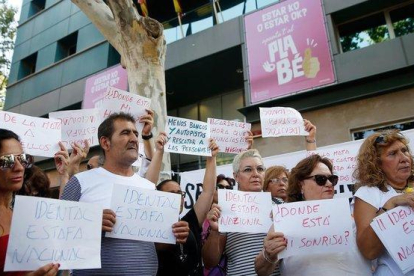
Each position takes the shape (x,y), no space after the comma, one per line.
(384,171)
(13,163)
(311,179)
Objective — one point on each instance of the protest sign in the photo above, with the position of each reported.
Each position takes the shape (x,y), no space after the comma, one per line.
(229,135)
(187,136)
(397,222)
(281,121)
(116,100)
(143,214)
(247,212)
(96,85)
(343,158)
(47,231)
(287,49)
(39,136)
(315,226)
(78,126)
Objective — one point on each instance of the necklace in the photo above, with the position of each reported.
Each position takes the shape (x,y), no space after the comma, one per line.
(400,191)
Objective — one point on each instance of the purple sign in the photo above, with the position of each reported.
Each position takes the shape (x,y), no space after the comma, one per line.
(288,50)
(97,85)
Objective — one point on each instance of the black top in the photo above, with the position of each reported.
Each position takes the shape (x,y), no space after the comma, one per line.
(184,260)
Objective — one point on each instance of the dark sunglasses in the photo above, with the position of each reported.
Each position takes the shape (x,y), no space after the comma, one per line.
(383,138)
(219,186)
(9,161)
(321,179)
(89,167)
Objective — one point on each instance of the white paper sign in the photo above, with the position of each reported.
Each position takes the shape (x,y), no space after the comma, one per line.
(116,100)
(143,214)
(343,158)
(281,121)
(47,231)
(395,229)
(247,212)
(229,135)
(78,126)
(187,136)
(39,137)
(315,226)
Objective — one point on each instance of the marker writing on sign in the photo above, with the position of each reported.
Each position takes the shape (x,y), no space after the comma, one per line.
(46,254)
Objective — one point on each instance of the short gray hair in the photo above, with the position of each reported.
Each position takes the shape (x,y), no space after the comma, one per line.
(242,155)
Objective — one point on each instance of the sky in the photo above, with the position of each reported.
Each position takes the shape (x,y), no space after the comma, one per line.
(17,4)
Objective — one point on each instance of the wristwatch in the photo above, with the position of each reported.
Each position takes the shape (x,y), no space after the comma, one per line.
(147,137)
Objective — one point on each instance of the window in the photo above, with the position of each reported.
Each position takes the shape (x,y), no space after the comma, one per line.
(27,66)
(66,46)
(403,20)
(36,6)
(362,134)
(377,27)
(363,32)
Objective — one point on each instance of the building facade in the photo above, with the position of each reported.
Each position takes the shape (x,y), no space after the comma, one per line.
(58,48)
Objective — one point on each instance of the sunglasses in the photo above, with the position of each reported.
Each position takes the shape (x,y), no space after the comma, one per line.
(9,161)
(89,167)
(283,180)
(219,186)
(321,179)
(383,138)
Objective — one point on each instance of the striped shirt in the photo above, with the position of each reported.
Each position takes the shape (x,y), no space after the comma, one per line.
(241,250)
(118,256)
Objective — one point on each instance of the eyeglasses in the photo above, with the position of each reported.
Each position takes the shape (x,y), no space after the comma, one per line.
(9,161)
(321,179)
(283,180)
(383,138)
(89,167)
(249,170)
(229,187)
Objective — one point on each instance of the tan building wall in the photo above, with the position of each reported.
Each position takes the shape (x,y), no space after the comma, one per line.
(336,123)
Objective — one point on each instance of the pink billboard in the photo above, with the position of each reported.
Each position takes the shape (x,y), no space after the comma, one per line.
(96,85)
(287,49)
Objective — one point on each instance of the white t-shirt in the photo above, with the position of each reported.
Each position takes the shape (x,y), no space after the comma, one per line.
(97,184)
(377,198)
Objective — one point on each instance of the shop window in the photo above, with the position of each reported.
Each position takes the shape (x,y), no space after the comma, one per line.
(36,6)
(362,134)
(363,32)
(66,46)
(403,20)
(27,66)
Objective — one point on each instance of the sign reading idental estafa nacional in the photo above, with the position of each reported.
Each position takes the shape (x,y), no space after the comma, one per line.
(287,49)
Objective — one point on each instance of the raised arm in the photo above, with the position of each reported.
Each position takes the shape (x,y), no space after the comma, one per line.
(153,172)
(310,140)
(215,243)
(204,201)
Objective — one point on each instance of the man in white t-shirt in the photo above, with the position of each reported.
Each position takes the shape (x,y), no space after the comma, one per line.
(118,138)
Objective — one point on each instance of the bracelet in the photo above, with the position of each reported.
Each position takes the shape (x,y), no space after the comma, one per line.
(267,258)
(310,141)
(147,137)
(383,209)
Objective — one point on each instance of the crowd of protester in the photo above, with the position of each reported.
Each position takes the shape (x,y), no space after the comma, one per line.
(384,171)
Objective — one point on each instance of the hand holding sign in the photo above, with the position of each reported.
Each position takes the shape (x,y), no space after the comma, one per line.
(273,243)
(311,65)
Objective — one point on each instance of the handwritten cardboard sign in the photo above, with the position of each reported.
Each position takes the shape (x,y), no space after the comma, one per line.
(344,158)
(316,226)
(229,135)
(116,100)
(143,214)
(247,212)
(187,136)
(78,126)
(47,231)
(397,222)
(39,136)
(281,121)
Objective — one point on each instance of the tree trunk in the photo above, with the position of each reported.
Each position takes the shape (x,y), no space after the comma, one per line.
(141,44)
